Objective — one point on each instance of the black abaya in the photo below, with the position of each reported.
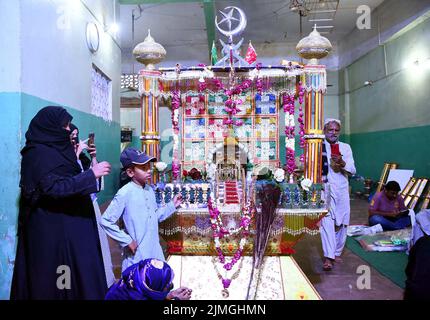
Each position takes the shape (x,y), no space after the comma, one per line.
(57,227)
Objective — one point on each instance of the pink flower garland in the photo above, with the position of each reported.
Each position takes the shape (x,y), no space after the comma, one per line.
(301,121)
(219,232)
(288,101)
(231,104)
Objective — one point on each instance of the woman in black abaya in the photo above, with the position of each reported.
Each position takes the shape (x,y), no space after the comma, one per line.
(58,253)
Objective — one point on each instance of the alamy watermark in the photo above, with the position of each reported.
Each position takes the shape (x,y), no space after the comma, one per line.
(364,278)
(364,20)
(64,280)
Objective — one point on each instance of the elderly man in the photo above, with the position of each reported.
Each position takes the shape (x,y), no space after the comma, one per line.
(338,165)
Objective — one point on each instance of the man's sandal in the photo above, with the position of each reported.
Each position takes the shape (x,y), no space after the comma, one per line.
(327,266)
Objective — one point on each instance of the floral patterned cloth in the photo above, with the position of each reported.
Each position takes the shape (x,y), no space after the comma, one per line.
(280,279)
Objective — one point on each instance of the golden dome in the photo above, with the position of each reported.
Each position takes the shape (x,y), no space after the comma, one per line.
(149,52)
(314,47)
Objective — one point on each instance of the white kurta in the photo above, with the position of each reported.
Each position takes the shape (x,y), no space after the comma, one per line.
(138,208)
(104,244)
(339,211)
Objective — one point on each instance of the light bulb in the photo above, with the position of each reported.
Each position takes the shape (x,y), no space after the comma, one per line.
(114,28)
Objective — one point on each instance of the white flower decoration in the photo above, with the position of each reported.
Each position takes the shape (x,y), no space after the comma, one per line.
(161,166)
(306,184)
(279,175)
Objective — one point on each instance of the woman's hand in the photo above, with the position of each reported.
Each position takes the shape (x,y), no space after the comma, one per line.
(91,149)
(81,146)
(101,169)
(181,293)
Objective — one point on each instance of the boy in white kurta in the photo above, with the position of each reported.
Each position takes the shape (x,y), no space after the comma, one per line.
(340,167)
(135,203)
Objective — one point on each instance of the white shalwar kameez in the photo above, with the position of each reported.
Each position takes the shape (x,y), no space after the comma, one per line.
(339,213)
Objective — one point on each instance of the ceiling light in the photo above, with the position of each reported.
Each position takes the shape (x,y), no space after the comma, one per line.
(113,28)
(321,11)
(319,20)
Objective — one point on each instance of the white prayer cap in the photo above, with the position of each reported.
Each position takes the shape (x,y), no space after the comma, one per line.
(328,120)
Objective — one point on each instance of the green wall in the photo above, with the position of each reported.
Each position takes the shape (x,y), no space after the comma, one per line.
(389,121)
(409,147)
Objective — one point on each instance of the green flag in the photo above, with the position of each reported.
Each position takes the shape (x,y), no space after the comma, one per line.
(214,56)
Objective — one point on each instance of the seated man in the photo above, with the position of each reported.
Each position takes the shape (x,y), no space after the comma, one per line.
(388,209)
(149,279)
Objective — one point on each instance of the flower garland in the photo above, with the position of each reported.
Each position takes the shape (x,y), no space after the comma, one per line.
(220,231)
(225,281)
(259,81)
(176,103)
(232,103)
(301,121)
(288,100)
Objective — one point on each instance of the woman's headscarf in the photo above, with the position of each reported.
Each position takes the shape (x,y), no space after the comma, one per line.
(47,147)
(85,161)
(73,128)
(150,279)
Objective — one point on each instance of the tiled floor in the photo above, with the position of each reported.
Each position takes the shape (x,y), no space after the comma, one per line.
(338,284)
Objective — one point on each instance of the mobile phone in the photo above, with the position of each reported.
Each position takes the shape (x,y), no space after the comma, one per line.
(91,137)
(335,149)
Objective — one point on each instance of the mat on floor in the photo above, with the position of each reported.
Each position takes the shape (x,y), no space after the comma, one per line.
(390,264)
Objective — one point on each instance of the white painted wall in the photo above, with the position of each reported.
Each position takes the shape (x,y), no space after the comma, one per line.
(55,59)
(10,57)
(386,21)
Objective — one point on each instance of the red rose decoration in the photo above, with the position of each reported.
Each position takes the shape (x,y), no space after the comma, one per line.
(184,173)
(195,174)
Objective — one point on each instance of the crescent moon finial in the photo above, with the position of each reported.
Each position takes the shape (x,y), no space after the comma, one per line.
(228,17)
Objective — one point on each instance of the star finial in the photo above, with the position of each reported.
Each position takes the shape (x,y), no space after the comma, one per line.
(228,17)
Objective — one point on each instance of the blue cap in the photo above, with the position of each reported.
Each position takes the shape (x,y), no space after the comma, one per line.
(132,156)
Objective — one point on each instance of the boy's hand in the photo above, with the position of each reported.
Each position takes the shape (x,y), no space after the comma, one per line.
(133,247)
(177,201)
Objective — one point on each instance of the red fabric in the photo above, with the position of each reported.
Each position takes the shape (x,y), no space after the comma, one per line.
(174,247)
(231,194)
